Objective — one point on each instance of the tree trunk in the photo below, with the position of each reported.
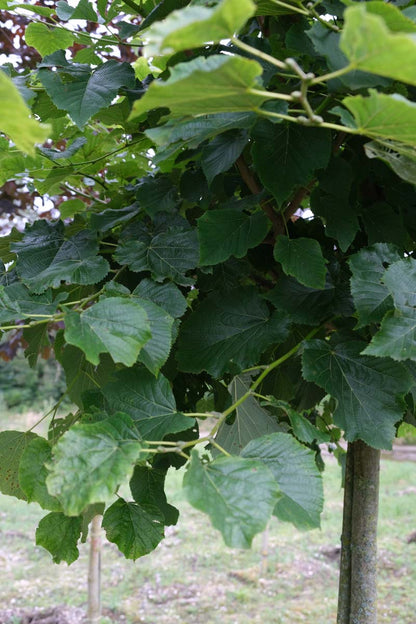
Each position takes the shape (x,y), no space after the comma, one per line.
(358,570)
(264,564)
(94,572)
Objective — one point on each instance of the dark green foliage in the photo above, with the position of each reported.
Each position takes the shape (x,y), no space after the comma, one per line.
(237,201)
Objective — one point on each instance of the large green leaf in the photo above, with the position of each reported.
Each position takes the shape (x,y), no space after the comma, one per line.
(302,258)
(156,350)
(339,216)
(59,535)
(135,529)
(148,401)
(167,296)
(23,130)
(114,325)
(231,330)
(45,258)
(156,194)
(372,298)
(91,461)
(371,46)
(286,155)
(12,446)
(33,473)
(193,26)
(249,421)
(222,152)
(299,480)
(147,486)
(311,306)
(167,255)
(238,495)
(229,232)
(203,86)
(367,389)
(384,116)
(326,42)
(397,335)
(87,92)
(17,302)
(47,40)
(191,132)
(82,376)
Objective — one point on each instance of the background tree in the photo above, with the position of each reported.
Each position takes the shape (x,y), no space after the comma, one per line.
(236,239)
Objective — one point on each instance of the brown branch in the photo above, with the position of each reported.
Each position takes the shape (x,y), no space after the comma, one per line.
(255,188)
(247,176)
(297,199)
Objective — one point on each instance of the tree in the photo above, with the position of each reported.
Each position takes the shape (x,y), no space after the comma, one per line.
(185,277)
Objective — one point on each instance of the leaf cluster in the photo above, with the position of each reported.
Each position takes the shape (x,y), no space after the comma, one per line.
(235,249)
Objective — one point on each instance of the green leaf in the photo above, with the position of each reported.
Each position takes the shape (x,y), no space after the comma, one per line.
(383,223)
(229,232)
(12,446)
(148,401)
(91,461)
(367,389)
(302,258)
(47,40)
(167,296)
(299,480)
(250,420)
(302,428)
(46,259)
(189,132)
(331,201)
(338,215)
(33,473)
(107,219)
(80,374)
(23,130)
(394,18)
(203,86)
(238,494)
(114,325)
(167,255)
(37,338)
(397,335)
(311,306)
(402,159)
(87,93)
(372,298)
(371,46)
(287,155)
(222,152)
(326,43)
(71,207)
(231,329)
(156,350)
(59,535)
(384,116)
(16,302)
(156,194)
(147,488)
(135,529)
(82,11)
(193,26)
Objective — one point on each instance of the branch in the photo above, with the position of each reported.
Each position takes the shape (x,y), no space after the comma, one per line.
(255,188)
(297,199)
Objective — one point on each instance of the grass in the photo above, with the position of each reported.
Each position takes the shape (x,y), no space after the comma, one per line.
(192,577)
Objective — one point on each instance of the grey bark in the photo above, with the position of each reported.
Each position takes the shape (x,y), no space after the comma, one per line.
(358,571)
